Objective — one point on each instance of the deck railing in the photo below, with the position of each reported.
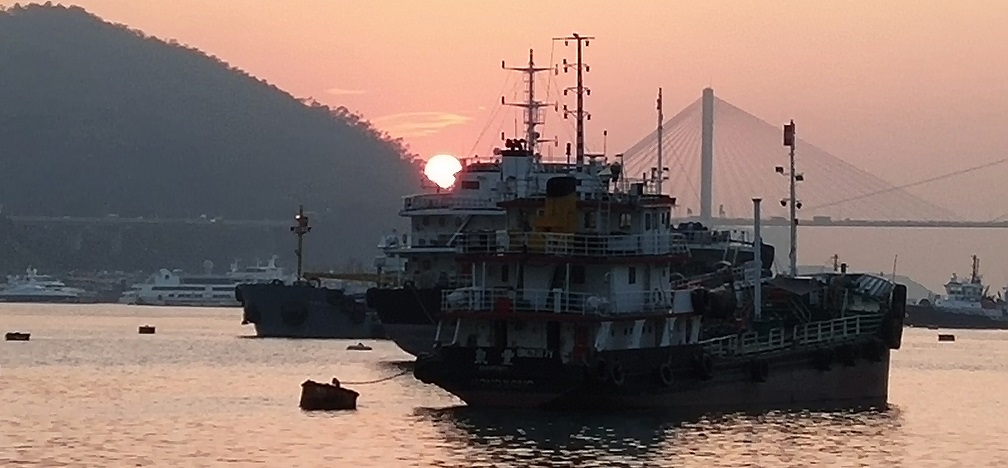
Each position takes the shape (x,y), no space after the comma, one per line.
(499,242)
(552,301)
(829,331)
(430,201)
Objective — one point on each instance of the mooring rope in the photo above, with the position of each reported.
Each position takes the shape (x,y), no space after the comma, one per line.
(367,382)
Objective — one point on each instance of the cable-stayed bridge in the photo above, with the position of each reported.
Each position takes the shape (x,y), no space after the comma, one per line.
(742,152)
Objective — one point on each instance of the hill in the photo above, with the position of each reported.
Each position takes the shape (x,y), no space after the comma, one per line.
(97,118)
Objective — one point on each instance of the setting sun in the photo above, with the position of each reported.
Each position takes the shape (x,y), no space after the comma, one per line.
(441,169)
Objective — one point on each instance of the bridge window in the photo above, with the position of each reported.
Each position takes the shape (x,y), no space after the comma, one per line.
(470,185)
(632,275)
(589,220)
(624,221)
(647,221)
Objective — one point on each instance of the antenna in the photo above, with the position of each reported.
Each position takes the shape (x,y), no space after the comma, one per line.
(661,178)
(532,115)
(581,91)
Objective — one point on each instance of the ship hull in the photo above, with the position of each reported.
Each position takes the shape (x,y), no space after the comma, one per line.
(409,316)
(928,316)
(792,380)
(417,340)
(41,299)
(304,311)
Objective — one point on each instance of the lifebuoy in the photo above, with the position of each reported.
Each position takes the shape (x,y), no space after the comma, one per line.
(315,282)
(666,375)
(293,313)
(616,374)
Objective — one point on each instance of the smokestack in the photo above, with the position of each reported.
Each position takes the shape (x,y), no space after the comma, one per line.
(758,251)
(706,154)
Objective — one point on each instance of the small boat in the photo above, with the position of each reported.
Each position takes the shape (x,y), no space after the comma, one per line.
(146,330)
(327,396)
(946,337)
(17,336)
(358,347)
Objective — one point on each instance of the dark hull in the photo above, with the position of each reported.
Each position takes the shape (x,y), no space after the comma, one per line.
(304,311)
(43,299)
(409,315)
(856,376)
(928,316)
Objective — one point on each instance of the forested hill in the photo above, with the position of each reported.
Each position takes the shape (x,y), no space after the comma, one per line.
(97,118)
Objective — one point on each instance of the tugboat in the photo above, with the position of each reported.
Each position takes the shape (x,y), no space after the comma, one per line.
(966,304)
(568,313)
(305,309)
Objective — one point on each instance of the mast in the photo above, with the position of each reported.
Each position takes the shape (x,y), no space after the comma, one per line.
(580,91)
(661,175)
(531,106)
(792,202)
(975,275)
(300,230)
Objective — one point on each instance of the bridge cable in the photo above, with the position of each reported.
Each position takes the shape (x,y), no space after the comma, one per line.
(913,184)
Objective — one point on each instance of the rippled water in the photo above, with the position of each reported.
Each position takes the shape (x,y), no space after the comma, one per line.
(87,390)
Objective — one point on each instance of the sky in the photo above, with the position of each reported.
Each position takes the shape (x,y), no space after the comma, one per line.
(906,89)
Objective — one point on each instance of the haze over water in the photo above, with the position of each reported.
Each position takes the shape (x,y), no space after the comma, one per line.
(87,390)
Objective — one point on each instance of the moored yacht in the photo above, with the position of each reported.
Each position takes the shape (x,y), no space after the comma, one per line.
(33,287)
(175,288)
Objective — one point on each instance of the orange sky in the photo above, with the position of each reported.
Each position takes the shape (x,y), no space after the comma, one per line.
(907,89)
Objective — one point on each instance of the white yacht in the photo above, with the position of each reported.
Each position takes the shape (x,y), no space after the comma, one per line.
(175,288)
(33,287)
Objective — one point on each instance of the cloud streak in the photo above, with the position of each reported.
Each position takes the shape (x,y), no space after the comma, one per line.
(344,92)
(418,124)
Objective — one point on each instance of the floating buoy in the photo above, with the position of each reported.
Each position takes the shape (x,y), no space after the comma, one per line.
(946,337)
(146,329)
(359,347)
(327,397)
(17,336)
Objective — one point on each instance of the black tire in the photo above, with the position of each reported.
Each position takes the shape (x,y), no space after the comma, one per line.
(616,374)
(666,375)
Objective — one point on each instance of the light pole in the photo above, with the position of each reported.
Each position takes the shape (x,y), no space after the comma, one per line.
(792,202)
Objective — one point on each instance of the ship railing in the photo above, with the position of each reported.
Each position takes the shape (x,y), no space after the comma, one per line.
(430,201)
(562,244)
(828,331)
(839,329)
(475,299)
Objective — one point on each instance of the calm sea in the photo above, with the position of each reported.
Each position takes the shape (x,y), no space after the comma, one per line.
(87,390)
